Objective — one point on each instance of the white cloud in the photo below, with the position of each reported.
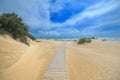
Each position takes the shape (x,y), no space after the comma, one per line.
(36,14)
(57,6)
(94,11)
(60,32)
(49,33)
(100,25)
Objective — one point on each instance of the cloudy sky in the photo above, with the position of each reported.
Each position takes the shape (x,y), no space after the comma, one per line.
(67,18)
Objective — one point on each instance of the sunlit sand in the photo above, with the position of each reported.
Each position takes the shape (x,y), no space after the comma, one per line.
(98,60)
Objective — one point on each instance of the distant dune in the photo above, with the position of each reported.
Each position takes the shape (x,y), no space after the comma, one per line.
(98,60)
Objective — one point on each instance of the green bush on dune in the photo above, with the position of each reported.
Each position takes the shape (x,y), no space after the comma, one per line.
(11,24)
(84,40)
(2,31)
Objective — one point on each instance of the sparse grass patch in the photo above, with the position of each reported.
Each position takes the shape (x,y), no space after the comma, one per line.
(104,40)
(93,38)
(84,40)
(38,41)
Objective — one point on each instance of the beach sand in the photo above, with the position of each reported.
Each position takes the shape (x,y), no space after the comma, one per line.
(21,62)
(98,60)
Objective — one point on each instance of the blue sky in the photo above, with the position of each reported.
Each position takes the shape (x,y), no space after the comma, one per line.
(67,18)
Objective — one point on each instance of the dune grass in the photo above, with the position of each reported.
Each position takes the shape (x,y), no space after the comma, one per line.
(84,40)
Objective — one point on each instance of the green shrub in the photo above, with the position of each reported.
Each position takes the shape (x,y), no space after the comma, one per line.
(93,38)
(88,40)
(104,39)
(12,24)
(84,40)
(32,37)
(2,31)
(16,35)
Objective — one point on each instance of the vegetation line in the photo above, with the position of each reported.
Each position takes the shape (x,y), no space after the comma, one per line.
(13,25)
(85,40)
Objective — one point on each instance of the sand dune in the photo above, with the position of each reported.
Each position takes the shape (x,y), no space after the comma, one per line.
(98,60)
(32,63)
(10,52)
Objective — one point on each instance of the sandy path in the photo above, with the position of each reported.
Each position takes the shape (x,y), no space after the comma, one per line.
(33,62)
(57,68)
(95,61)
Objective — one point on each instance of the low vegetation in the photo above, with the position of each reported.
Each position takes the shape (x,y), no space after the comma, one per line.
(84,40)
(104,39)
(13,25)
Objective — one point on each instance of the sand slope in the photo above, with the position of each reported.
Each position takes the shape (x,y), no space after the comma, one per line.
(10,52)
(32,63)
(98,60)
